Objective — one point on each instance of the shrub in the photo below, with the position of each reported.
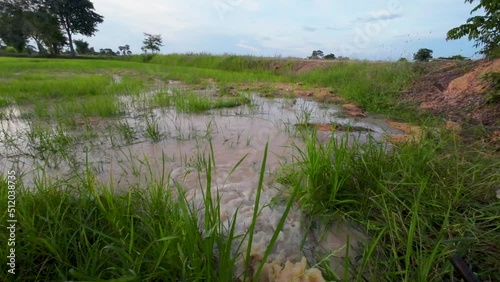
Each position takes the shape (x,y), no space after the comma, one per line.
(10,49)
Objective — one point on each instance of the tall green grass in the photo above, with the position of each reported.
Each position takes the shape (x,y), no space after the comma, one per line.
(190,102)
(236,63)
(79,229)
(30,88)
(420,203)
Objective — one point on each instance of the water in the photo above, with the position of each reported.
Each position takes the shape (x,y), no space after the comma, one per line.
(233,134)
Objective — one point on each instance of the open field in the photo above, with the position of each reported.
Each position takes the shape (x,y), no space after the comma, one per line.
(207,168)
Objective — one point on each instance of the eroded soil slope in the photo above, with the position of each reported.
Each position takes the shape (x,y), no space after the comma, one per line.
(458,91)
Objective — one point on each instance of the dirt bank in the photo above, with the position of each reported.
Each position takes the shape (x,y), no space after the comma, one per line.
(457,91)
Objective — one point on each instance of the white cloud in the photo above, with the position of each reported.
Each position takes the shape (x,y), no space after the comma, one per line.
(246,46)
(287,27)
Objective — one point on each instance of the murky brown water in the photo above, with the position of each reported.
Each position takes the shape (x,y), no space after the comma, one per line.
(233,134)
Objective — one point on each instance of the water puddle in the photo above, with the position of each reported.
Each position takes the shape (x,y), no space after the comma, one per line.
(121,153)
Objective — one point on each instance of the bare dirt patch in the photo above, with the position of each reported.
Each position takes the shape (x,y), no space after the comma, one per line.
(412,133)
(457,90)
(309,65)
(291,90)
(353,110)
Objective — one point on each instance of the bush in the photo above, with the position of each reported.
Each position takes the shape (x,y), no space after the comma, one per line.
(147,57)
(10,49)
(423,55)
(493,78)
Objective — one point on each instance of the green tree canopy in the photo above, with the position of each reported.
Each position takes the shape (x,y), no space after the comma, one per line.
(75,17)
(13,28)
(423,55)
(330,56)
(82,47)
(484,30)
(45,30)
(125,49)
(152,42)
(42,20)
(316,54)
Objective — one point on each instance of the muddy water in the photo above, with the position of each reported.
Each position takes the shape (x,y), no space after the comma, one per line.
(233,134)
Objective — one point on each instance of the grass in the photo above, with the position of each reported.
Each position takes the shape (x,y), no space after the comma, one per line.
(31,87)
(421,203)
(127,132)
(190,102)
(49,144)
(374,86)
(153,131)
(94,106)
(82,230)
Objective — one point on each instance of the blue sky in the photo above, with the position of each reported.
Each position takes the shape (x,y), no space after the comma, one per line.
(361,29)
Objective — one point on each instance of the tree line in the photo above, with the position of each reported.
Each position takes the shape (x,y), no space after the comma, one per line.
(51,24)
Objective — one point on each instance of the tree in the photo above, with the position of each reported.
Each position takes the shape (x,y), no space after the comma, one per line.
(125,49)
(82,47)
(330,56)
(13,28)
(152,42)
(423,55)
(45,30)
(317,54)
(76,17)
(455,57)
(108,52)
(21,20)
(484,30)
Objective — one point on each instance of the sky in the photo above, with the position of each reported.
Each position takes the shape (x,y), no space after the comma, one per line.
(359,29)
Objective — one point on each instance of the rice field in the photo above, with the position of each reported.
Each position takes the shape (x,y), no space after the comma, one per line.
(223,168)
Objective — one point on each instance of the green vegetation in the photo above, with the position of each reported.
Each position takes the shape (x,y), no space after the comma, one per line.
(94,106)
(44,22)
(152,42)
(484,30)
(153,128)
(419,202)
(28,80)
(493,78)
(190,102)
(423,55)
(10,49)
(374,86)
(82,230)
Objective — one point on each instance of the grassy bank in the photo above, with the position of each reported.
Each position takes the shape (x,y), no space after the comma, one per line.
(421,203)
